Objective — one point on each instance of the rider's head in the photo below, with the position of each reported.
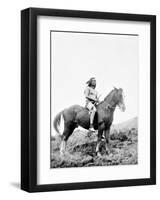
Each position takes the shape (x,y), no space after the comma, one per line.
(91,82)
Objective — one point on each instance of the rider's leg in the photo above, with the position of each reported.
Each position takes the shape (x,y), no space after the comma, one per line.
(92,114)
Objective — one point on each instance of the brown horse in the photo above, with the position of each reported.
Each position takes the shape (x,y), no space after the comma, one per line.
(76,115)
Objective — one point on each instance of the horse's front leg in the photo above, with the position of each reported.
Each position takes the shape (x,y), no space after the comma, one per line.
(107,145)
(100,132)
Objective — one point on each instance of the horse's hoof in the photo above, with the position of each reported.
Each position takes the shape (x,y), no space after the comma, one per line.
(98,154)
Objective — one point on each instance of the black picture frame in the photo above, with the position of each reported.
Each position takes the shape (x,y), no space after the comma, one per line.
(29,99)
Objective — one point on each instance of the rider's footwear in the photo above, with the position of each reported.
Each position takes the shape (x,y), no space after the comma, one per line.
(91,128)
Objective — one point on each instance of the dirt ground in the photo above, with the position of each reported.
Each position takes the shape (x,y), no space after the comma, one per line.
(80,150)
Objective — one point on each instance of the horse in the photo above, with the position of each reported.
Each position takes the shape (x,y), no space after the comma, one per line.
(77,115)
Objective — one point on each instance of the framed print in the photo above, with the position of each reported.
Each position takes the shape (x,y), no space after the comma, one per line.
(88,99)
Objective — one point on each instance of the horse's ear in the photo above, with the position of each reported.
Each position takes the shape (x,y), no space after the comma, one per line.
(115,88)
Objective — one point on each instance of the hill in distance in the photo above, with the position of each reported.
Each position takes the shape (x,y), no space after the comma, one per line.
(129,124)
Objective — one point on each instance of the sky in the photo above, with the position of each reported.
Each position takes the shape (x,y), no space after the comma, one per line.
(111,59)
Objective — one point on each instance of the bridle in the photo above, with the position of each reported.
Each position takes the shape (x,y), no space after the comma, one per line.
(110,107)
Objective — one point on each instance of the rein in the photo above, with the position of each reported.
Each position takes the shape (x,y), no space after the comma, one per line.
(108,106)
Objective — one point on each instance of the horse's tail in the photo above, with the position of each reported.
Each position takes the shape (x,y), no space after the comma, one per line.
(58,123)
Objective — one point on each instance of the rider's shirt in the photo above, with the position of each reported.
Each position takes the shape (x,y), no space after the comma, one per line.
(91,93)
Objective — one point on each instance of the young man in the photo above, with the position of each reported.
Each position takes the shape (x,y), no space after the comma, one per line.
(91,96)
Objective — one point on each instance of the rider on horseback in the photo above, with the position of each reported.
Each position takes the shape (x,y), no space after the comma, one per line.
(91,96)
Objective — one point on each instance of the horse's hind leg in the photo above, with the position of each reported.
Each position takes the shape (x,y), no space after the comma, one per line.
(63,143)
(66,133)
(62,147)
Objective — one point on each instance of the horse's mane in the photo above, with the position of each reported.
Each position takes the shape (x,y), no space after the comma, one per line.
(106,98)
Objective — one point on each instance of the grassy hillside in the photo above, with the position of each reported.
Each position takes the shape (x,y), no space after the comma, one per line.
(80,150)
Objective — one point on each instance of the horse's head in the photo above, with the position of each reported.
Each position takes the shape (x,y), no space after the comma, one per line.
(119,98)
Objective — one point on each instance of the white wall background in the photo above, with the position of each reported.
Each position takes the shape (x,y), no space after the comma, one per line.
(10,98)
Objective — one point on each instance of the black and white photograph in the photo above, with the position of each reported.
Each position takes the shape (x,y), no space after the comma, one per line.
(80,100)
(88,100)
(94,99)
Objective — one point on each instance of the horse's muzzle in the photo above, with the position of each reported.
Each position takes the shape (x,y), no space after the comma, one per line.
(122,107)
